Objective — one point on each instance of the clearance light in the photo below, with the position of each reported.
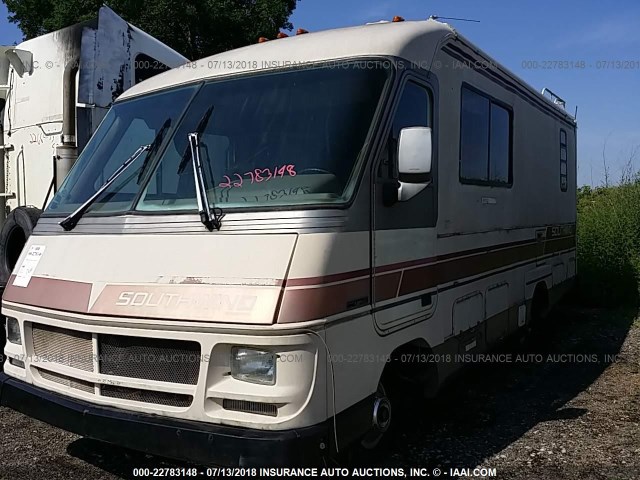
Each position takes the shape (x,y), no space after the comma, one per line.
(281,35)
(263,39)
(301,31)
(397,18)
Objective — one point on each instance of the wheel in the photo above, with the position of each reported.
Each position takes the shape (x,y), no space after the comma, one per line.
(17,227)
(3,340)
(380,419)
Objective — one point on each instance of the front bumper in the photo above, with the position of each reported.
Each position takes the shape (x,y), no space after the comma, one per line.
(196,442)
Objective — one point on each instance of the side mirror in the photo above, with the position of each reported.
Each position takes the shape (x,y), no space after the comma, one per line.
(414,161)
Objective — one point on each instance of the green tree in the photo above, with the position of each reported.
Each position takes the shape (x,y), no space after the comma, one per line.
(195,28)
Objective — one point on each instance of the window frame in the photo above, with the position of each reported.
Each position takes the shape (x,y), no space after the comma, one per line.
(492,101)
(564,146)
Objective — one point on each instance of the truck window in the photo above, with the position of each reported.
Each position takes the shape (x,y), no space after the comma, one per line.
(284,138)
(146,67)
(413,111)
(485,140)
(127,126)
(563,160)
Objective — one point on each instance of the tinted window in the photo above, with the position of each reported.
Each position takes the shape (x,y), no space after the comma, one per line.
(474,136)
(499,150)
(127,126)
(563,161)
(275,139)
(413,111)
(485,140)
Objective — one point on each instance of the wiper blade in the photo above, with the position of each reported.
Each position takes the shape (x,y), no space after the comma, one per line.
(72,220)
(208,216)
(202,124)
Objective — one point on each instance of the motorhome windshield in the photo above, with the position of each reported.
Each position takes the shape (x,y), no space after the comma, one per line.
(287,138)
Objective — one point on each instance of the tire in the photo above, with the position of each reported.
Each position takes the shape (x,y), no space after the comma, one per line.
(371,441)
(16,230)
(3,340)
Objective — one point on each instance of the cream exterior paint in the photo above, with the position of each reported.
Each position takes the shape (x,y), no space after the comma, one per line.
(277,255)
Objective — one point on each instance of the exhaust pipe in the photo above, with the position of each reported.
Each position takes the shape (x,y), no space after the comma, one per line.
(67,153)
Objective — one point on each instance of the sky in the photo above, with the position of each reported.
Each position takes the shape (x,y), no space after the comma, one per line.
(517,34)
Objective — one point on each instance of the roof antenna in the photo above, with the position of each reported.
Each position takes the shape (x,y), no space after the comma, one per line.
(436,17)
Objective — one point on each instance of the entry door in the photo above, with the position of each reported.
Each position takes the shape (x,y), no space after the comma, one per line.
(404,280)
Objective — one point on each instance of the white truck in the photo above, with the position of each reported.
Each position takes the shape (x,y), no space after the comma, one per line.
(54,91)
(251,254)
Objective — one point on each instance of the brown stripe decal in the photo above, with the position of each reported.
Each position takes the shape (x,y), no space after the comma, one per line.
(387,286)
(303,299)
(52,293)
(310,303)
(333,299)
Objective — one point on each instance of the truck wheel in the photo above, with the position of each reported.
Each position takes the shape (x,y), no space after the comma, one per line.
(380,420)
(16,229)
(3,340)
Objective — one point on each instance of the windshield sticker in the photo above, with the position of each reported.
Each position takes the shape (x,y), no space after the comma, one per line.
(258,175)
(278,194)
(28,266)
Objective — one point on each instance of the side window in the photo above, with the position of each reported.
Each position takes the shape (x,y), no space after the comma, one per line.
(563,160)
(485,141)
(146,67)
(414,110)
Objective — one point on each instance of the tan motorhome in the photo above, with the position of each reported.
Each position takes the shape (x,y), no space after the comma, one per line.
(253,249)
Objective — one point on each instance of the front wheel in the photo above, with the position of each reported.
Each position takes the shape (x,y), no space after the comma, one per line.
(380,419)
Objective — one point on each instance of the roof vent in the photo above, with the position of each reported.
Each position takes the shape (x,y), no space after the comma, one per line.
(554,98)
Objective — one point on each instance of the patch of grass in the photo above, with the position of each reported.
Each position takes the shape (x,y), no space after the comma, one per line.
(609,244)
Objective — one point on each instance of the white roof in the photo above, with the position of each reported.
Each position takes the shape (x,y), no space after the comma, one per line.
(406,40)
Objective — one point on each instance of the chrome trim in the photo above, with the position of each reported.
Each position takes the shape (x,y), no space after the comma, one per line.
(299,221)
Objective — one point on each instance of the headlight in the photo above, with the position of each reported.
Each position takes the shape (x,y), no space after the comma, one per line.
(254,366)
(13,331)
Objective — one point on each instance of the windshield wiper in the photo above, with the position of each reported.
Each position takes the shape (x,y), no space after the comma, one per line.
(72,220)
(208,216)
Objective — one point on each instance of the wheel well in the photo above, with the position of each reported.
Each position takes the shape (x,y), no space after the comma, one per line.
(539,302)
(413,364)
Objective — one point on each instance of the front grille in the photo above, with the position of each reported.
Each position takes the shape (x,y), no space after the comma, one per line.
(245,406)
(147,396)
(175,361)
(65,347)
(163,360)
(67,381)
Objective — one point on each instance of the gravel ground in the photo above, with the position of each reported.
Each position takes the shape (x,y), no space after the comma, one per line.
(538,416)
